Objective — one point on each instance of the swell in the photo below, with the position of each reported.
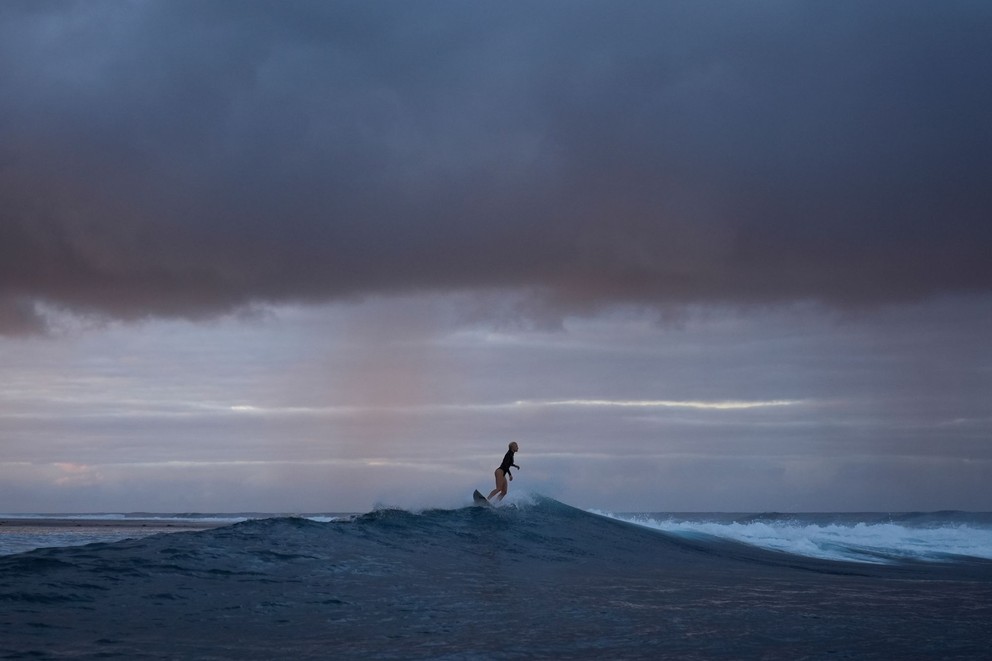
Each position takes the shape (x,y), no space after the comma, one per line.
(531,537)
(542,580)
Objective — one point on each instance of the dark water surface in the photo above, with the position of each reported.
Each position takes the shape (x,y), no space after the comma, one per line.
(534,581)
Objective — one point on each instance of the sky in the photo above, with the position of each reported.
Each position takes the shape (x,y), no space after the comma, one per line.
(318,257)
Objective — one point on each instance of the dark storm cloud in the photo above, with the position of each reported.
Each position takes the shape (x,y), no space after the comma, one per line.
(183,158)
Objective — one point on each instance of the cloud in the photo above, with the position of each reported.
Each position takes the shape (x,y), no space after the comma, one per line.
(752,410)
(189,158)
(718,406)
(19,316)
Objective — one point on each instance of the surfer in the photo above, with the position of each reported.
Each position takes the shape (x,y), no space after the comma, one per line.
(503,473)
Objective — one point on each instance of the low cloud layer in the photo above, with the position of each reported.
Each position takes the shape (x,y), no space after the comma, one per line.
(189,158)
(328,408)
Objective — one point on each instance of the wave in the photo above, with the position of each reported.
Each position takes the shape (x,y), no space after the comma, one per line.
(534,578)
(877,539)
(538,527)
(532,532)
(548,526)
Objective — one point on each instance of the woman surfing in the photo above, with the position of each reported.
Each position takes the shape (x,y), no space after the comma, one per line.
(503,473)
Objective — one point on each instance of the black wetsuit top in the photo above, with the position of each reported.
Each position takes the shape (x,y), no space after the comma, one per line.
(507,462)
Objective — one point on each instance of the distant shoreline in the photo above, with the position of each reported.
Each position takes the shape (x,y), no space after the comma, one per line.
(172,524)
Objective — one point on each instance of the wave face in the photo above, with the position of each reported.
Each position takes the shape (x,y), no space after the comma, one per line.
(534,580)
(871,538)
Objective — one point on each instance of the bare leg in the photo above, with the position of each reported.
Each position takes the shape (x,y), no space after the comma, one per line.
(500,486)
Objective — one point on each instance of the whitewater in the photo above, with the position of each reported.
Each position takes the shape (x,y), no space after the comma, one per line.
(860,537)
(534,578)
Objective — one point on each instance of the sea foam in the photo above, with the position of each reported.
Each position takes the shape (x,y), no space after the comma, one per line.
(861,541)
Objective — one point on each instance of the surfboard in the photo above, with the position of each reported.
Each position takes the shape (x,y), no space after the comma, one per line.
(479,499)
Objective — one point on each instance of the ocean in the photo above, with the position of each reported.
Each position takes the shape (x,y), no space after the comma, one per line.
(533,578)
